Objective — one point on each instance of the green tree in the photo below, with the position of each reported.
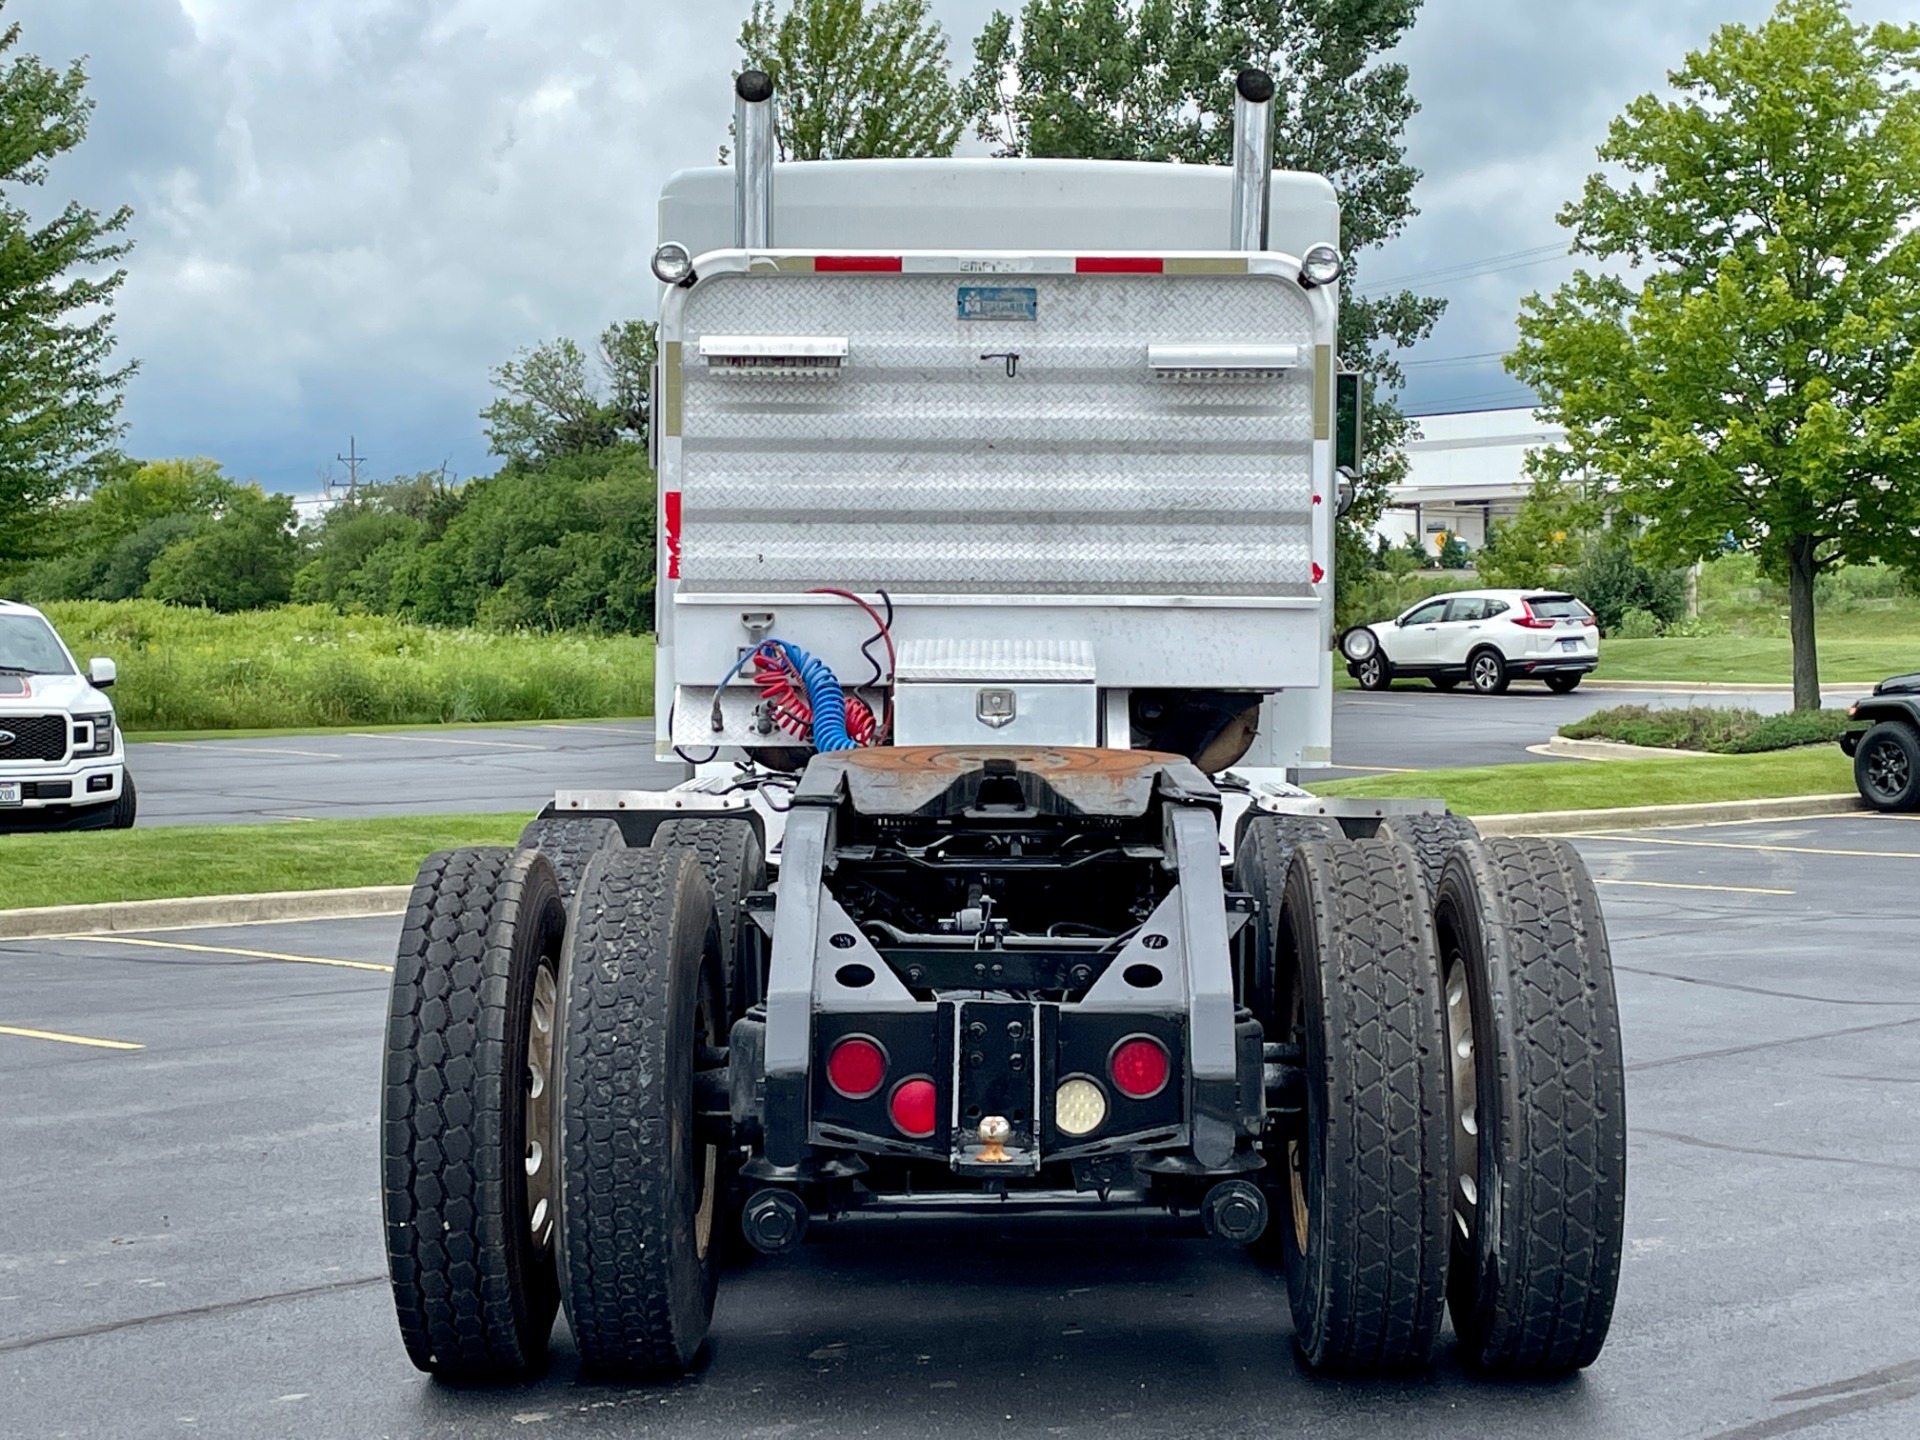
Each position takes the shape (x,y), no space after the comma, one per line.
(1543,537)
(566,546)
(132,497)
(1154,80)
(242,560)
(59,400)
(1761,380)
(854,80)
(551,403)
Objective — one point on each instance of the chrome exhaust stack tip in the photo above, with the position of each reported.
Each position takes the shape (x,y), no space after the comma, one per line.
(754,152)
(1252,159)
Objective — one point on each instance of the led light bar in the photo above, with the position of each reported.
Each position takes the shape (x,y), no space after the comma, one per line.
(791,356)
(1223,362)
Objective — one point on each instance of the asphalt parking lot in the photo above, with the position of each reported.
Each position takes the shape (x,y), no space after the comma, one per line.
(190,1241)
(343,774)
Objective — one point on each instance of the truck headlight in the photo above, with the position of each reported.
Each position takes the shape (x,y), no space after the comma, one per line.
(672,264)
(93,734)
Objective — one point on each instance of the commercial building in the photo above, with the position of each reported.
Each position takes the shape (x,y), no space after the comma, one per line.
(1466,472)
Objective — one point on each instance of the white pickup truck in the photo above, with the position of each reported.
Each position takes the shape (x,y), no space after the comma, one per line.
(62,761)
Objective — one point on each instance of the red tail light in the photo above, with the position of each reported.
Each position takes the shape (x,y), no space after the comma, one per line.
(912,1107)
(1139,1067)
(857,1068)
(1527,620)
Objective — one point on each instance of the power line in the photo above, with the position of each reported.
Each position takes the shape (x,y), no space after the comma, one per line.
(1483,358)
(1470,269)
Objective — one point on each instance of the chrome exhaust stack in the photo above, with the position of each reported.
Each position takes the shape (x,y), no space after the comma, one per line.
(753,156)
(1252,158)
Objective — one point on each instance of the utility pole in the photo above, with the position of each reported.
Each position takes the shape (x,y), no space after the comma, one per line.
(353,460)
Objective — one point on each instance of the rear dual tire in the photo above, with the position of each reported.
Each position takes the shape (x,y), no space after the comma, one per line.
(640,1189)
(1538,1193)
(1360,1188)
(1464,1142)
(467,1147)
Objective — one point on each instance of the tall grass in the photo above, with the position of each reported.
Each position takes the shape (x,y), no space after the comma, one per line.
(302,665)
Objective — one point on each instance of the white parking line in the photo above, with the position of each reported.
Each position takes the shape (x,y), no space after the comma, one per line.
(1740,845)
(228,748)
(1677,885)
(407,738)
(229,950)
(55,1035)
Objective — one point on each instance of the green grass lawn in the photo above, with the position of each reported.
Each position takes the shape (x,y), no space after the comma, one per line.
(168,862)
(1756,660)
(308,667)
(1612,784)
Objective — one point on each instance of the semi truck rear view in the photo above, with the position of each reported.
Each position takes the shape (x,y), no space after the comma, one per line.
(994,610)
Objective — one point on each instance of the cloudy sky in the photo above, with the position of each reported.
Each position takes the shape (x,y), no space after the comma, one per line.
(348,210)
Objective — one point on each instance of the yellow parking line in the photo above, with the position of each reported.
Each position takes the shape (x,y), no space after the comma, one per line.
(229,950)
(69,1039)
(1764,849)
(1676,885)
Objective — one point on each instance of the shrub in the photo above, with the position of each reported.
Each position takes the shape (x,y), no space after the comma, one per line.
(1637,624)
(1722,732)
(242,561)
(1612,582)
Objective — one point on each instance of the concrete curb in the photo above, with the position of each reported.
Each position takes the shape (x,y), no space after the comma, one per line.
(203,910)
(1706,687)
(1567,749)
(1644,817)
(392,899)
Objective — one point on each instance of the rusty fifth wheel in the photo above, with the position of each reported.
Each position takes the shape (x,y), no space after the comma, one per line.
(467,1144)
(1537,1196)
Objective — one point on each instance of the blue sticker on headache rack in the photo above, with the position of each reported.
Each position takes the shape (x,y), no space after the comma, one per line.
(999,302)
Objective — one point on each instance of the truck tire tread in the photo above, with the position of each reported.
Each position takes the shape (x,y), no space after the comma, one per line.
(568,842)
(730,855)
(1537,1300)
(475,1300)
(1370,1296)
(639,1298)
(1431,838)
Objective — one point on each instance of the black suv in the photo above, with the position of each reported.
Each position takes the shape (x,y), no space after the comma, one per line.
(1886,755)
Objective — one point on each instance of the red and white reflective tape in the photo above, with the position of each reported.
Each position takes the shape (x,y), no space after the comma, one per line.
(670,504)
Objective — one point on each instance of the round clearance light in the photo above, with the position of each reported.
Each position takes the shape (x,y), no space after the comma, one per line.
(672,263)
(1139,1067)
(857,1068)
(1321,265)
(1079,1106)
(912,1107)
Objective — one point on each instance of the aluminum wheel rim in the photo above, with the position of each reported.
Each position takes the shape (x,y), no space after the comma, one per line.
(1887,770)
(1370,670)
(1463,1197)
(1486,673)
(539,1158)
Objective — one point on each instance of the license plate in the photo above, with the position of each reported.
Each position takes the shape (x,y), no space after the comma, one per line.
(1569,644)
(9,792)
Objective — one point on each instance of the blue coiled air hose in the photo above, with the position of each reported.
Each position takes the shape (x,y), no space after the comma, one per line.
(824,694)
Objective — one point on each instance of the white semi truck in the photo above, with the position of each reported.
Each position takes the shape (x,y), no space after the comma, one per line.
(994,611)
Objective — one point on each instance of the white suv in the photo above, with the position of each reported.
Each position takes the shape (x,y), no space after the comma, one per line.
(1488,638)
(62,761)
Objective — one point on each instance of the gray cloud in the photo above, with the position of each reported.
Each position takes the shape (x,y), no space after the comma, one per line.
(348,210)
